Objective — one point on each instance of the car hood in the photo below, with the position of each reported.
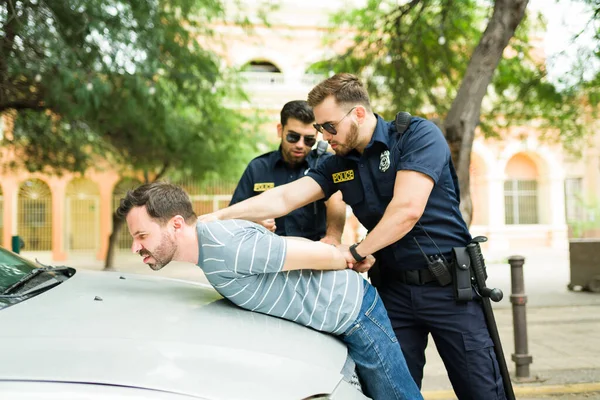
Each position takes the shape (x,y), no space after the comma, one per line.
(163,334)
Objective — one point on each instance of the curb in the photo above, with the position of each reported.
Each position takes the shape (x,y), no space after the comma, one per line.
(526,390)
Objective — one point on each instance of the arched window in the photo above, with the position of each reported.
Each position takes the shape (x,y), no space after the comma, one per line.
(521,191)
(262,73)
(261,66)
(35,215)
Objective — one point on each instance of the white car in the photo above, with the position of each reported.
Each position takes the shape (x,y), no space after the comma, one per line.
(74,334)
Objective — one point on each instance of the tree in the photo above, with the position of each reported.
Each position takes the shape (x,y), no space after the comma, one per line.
(122,81)
(465,112)
(441,58)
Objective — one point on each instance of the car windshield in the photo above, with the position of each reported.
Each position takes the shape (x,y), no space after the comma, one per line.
(12,268)
(21,279)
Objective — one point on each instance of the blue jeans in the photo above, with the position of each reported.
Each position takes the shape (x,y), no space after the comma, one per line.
(374,348)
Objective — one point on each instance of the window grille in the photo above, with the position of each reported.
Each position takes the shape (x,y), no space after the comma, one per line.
(35,215)
(520,202)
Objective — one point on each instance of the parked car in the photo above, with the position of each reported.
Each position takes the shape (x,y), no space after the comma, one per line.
(75,334)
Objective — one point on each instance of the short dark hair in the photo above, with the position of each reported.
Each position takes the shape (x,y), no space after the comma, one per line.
(163,201)
(297,109)
(345,89)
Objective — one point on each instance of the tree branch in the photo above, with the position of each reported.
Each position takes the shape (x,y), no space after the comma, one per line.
(162,171)
(22,105)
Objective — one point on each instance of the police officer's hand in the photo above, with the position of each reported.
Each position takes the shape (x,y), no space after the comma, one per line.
(365,264)
(269,224)
(208,217)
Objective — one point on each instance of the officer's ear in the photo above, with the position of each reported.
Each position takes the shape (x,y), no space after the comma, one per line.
(279,130)
(361,114)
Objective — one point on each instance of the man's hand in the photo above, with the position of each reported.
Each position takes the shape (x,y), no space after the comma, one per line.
(362,266)
(365,264)
(208,217)
(331,240)
(345,250)
(269,224)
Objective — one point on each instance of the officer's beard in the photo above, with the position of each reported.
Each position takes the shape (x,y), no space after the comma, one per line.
(351,141)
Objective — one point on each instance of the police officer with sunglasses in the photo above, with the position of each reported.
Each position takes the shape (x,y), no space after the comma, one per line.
(320,220)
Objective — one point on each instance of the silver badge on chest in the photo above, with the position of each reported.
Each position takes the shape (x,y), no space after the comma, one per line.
(384,161)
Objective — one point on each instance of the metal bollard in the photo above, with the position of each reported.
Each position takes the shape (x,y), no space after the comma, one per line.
(521,356)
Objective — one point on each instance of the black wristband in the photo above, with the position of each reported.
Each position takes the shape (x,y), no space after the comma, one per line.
(355,254)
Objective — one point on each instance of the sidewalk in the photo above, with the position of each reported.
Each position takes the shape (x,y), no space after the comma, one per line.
(563,327)
(565,345)
(563,330)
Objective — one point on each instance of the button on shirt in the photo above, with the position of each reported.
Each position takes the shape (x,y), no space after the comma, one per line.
(367,184)
(268,171)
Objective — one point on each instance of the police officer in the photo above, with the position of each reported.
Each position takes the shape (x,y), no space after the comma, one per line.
(404,190)
(320,220)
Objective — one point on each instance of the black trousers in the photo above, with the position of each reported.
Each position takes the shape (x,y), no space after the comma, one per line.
(458,329)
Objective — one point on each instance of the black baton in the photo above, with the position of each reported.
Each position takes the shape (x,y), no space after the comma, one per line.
(480,275)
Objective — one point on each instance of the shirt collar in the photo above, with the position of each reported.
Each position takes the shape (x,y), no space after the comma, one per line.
(381,133)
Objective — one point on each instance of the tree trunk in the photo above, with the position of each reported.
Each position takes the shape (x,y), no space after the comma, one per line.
(112,242)
(464,114)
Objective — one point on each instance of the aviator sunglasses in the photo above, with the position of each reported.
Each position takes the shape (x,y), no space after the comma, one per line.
(330,126)
(294,137)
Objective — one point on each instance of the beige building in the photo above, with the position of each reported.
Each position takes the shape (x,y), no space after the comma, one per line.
(523,189)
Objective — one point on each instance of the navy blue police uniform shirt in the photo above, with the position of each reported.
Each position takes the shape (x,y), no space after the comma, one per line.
(367,184)
(268,171)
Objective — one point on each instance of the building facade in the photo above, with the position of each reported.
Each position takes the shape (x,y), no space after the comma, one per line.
(523,189)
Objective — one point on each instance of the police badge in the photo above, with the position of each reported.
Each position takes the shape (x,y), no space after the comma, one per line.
(384,162)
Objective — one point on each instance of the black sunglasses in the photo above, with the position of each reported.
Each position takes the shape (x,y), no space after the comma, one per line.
(294,137)
(330,126)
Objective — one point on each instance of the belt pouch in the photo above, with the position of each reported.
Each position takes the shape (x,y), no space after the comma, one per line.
(462,274)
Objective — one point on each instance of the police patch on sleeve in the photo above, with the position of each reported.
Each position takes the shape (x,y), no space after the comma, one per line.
(261,187)
(343,176)
(384,161)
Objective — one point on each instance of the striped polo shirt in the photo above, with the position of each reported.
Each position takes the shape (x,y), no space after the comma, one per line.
(243,262)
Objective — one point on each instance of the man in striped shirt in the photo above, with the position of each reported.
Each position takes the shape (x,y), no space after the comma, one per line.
(292,278)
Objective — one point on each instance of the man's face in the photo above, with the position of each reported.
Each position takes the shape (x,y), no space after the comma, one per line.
(301,133)
(341,118)
(151,240)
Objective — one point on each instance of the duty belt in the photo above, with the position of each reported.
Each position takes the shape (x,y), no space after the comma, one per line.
(411,276)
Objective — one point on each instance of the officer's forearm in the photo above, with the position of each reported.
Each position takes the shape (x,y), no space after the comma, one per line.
(396,222)
(275,202)
(269,204)
(411,193)
(336,217)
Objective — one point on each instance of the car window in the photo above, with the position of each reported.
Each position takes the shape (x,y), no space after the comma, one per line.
(12,268)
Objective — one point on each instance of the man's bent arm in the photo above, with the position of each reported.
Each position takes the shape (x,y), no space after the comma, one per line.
(336,219)
(305,254)
(275,202)
(411,193)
